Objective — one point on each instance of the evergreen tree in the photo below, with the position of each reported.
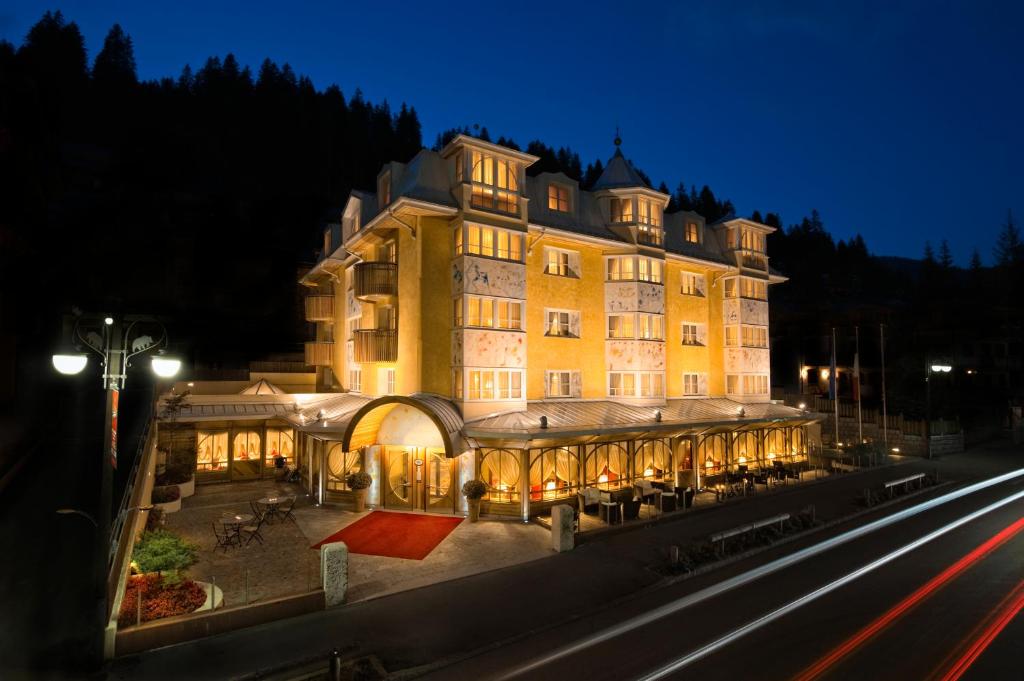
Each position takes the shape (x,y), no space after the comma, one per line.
(756,216)
(1008,245)
(929,254)
(592,174)
(976,261)
(115,64)
(945,256)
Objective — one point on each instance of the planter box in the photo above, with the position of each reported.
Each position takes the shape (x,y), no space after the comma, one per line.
(170,506)
(187,489)
(214,602)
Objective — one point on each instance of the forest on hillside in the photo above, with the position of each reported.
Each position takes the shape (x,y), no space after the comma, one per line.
(202,195)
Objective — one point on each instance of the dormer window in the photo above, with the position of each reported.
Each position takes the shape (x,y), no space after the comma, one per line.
(558,198)
(692,233)
(621,209)
(495,183)
(650,213)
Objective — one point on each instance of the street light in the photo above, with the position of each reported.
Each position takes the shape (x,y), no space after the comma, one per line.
(116,340)
(930,369)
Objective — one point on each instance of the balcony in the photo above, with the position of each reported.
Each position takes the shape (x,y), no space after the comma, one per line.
(319,308)
(751,259)
(375,345)
(374,280)
(319,353)
(650,235)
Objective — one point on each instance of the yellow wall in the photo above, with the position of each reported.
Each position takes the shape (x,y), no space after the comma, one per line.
(436,305)
(681,358)
(586,294)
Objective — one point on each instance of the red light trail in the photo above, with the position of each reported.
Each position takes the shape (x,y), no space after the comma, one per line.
(1005,613)
(851,644)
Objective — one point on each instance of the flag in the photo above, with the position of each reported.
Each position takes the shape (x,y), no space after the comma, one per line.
(833,393)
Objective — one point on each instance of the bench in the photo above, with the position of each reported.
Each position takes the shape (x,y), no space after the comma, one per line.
(893,484)
(844,467)
(720,537)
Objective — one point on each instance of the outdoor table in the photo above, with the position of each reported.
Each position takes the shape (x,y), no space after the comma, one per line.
(233,523)
(609,512)
(271,504)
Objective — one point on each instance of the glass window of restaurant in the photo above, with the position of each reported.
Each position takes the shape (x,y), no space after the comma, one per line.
(745,449)
(711,454)
(280,441)
(651,460)
(211,451)
(340,464)
(246,446)
(554,473)
(607,465)
(500,470)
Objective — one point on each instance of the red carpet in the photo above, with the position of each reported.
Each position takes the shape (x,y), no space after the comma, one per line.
(396,535)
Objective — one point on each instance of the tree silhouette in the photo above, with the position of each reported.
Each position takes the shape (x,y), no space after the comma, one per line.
(1008,246)
(114,66)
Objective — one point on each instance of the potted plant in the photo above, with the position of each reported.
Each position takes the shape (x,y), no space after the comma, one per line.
(474,490)
(359,482)
(167,499)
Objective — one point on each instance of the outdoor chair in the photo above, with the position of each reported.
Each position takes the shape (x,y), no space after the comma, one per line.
(224,538)
(631,509)
(284,511)
(253,531)
(589,500)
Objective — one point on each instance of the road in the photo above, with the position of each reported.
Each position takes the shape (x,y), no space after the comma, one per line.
(940,599)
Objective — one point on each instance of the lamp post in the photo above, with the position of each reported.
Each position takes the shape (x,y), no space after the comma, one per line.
(929,369)
(116,341)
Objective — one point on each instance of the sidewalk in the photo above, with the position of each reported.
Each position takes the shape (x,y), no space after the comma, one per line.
(451,618)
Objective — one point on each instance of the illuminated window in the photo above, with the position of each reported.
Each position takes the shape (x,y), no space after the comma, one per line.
(341,464)
(755,385)
(558,198)
(752,241)
(561,263)
(649,269)
(559,384)
(730,288)
(692,234)
(554,473)
(495,384)
(499,470)
(689,286)
(651,459)
(621,326)
(744,287)
(490,242)
(652,384)
(650,326)
(491,313)
(691,333)
(212,452)
(247,446)
(558,323)
(621,384)
(389,381)
(649,212)
(732,384)
(691,384)
(620,268)
(607,466)
(621,210)
(732,336)
(495,183)
(280,441)
(457,384)
(355,379)
(755,336)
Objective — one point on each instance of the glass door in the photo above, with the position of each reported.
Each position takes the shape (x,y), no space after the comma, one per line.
(246,455)
(438,492)
(399,491)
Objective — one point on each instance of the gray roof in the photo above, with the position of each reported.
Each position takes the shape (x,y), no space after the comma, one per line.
(619,173)
(575,417)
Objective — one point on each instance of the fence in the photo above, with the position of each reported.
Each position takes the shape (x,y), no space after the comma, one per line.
(896,424)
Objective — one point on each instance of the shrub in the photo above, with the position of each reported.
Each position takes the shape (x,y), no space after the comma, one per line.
(161,550)
(175,474)
(164,495)
(474,489)
(358,480)
(160,598)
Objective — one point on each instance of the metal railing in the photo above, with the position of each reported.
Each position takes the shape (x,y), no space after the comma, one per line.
(376,279)
(319,308)
(375,345)
(117,526)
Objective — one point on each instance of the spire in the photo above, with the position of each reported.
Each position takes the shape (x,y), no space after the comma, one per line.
(618,138)
(619,172)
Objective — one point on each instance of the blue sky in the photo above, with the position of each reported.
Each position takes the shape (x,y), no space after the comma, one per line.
(900,120)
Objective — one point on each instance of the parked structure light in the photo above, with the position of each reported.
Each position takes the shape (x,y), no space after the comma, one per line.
(165,367)
(70,364)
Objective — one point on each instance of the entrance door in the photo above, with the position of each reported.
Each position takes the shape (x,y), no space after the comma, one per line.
(246,456)
(418,479)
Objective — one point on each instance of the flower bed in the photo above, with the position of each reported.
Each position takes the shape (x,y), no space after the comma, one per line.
(159,598)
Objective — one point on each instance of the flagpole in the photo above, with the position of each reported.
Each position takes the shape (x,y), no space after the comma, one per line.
(835,387)
(856,379)
(885,419)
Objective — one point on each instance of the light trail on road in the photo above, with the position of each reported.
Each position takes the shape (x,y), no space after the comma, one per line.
(754,625)
(1005,613)
(755,574)
(829,660)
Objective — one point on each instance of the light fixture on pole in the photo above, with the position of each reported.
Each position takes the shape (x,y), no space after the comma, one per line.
(929,369)
(70,363)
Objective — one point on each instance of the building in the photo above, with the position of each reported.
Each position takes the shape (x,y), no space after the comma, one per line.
(473,321)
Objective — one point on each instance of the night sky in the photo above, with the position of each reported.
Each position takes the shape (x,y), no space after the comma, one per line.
(903,124)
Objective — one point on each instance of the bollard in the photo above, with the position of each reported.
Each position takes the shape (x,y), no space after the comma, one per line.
(335,666)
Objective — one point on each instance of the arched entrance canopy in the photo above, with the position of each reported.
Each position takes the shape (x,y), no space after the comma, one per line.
(364,428)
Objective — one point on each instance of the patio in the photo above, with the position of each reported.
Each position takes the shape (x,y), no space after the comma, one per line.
(286,565)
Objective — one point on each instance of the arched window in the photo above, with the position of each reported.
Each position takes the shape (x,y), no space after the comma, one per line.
(775,446)
(711,454)
(339,465)
(554,473)
(280,441)
(651,460)
(798,447)
(499,470)
(212,452)
(607,466)
(247,446)
(684,455)
(745,451)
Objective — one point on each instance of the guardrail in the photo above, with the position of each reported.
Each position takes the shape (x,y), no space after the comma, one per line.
(117,527)
(720,537)
(892,484)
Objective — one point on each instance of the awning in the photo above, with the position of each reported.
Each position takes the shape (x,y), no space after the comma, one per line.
(364,425)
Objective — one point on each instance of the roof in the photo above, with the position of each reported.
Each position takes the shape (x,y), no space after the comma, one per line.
(262,387)
(619,173)
(364,424)
(603,418)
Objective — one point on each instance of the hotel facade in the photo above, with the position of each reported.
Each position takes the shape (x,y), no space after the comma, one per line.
(476,321)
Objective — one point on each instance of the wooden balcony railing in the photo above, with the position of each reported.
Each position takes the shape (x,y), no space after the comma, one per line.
(375,345)
(376,279)
(319,308)
(650,235)
(752,260)
(318,353)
